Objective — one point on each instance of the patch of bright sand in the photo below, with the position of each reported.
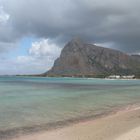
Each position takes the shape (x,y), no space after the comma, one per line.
(134,134)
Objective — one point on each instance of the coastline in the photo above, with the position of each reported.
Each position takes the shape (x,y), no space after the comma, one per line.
(113,126)
(22,131)
(81,76)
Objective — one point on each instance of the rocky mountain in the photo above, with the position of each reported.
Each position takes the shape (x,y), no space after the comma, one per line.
(82,59)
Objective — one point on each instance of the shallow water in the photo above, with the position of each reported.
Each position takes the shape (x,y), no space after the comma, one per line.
(27,102)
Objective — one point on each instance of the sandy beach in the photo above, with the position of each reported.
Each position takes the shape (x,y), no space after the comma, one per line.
(134,134)
(122,125)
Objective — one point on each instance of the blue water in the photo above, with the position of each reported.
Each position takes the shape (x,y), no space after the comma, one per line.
(31,101)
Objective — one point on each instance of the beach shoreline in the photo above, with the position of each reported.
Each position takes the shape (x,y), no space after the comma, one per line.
(113,126)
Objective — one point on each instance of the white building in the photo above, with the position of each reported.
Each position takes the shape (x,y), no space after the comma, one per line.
(121,77)
(114,77)
(128,77)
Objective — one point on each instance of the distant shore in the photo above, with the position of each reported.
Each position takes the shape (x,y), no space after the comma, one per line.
(80,76)
(121,125)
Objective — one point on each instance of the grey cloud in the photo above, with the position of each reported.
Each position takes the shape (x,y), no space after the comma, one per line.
(7,46)
(60,20)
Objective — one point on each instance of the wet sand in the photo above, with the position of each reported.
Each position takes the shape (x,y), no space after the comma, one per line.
(122,125)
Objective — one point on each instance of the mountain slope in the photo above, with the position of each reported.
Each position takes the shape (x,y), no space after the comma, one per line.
(81,59)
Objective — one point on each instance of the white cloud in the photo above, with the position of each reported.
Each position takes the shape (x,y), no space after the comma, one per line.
(4,17)
(44,48)
(40,58)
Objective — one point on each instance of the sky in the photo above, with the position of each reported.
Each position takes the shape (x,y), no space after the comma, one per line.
(33,32)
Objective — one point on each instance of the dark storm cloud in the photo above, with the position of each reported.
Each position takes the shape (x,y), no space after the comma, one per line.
(107,21)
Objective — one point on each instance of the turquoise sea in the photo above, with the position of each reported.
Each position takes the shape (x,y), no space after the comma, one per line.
(32,103)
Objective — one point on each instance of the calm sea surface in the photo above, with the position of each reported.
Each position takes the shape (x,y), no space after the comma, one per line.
(30,101)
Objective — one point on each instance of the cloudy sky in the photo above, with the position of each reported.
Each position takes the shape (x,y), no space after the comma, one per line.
(33,32)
